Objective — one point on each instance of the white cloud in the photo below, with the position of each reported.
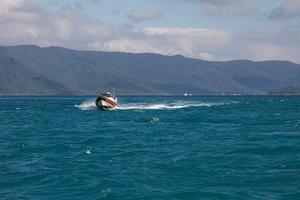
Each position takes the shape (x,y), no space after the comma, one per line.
(187,41)
(140,16)
(6,5)
(190,42)
(207,56)
(124,45)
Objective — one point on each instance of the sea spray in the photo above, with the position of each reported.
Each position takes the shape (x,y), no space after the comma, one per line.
(87,105)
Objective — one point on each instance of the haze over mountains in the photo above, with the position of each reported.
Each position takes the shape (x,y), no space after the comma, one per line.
(31,70)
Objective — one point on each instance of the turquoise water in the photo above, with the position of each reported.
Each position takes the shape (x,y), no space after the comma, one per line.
(150,148)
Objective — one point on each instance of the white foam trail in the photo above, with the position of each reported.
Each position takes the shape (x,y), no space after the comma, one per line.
(90,105)
(167,106)
(87,105)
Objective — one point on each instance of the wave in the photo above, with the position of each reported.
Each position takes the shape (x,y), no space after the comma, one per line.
(90,105)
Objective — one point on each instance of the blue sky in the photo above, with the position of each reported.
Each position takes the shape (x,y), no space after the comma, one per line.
(205,29)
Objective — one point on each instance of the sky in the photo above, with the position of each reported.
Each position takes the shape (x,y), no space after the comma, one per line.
(205,29)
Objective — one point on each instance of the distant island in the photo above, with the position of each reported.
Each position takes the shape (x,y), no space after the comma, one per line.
(32,70)
(291,90)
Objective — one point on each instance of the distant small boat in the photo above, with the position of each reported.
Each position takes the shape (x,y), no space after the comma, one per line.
(106,101)
(187,94)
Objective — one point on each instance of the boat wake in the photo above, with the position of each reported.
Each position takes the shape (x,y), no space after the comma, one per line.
(90,105)
(166,106)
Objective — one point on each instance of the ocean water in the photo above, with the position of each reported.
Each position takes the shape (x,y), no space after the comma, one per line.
(151,148)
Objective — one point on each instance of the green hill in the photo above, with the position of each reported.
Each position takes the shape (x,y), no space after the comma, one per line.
(29,69)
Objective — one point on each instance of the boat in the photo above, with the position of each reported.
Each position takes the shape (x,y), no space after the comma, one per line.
(187,94)
(106,101)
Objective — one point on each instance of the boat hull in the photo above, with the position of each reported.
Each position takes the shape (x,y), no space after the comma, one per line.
(104,103)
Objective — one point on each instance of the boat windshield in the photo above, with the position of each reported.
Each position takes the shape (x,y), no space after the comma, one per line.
(107,94)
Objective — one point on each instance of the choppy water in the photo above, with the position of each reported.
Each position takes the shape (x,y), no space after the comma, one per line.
(150,148)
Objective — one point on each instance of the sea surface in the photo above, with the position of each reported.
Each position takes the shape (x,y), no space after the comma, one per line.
(150,148)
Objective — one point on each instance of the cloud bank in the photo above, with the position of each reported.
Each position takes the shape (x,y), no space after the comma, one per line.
(25,22)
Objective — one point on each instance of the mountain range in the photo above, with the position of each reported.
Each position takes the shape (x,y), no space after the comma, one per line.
(32,70)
